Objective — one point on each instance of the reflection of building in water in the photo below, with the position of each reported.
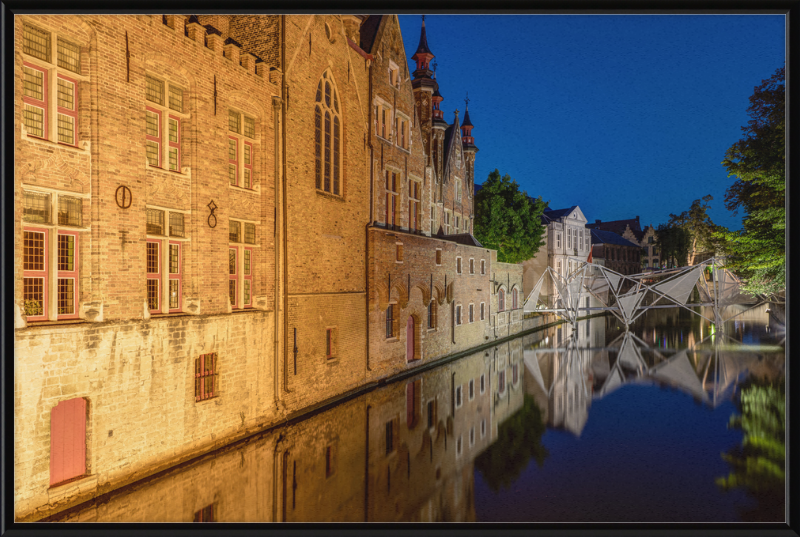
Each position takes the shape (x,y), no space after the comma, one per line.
(405,451)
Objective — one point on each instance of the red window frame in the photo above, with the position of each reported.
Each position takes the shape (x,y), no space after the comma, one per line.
(155,276)
(234,276)
(247,276)
(235,161)
(72,113)
(73,274)
(38,273)
(205,376)
(248,181)
(39,104)
(175,276)
(329,343)
(156,139)
(175,145)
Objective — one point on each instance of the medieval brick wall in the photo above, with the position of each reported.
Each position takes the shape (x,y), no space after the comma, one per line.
(506,277)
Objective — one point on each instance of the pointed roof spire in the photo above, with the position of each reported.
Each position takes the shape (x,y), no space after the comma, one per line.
(423,41)
(467,122)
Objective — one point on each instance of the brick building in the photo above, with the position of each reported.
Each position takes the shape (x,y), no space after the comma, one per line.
(631,230)
(204,252)
(614,252)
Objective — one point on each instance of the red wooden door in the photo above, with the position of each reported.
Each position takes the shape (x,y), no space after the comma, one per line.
(67,440)
(410,339)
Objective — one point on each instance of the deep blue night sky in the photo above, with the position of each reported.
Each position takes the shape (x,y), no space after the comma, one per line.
(623,115)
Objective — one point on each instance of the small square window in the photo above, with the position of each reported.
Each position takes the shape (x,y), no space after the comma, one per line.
(36,207)
(176,225)
(69,211)
(69,56)
(250,233)
(175,98)
(249,127)
(155,222)
(36,42)
(234,121)
(154,90)
(234,231)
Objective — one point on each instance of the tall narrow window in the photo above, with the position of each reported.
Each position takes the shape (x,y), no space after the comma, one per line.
(483,266)
(205,376)
(67,110)
(154,275)
(34,264)
(67,275)
(232,276)
(34,97)
(153,137)
(248,165)
(414,194)
(471,313)
(175,279)
(483,311)
(174,143)
(328,137)
(391,318)
(501,300)
(389,437)
(233,160)
(458,314)
(431,314)
(247,277)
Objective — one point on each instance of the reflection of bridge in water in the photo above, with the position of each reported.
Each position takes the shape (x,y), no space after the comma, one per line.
(568,376)
(629,296)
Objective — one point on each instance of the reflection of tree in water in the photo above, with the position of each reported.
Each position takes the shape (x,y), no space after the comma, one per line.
(758,465)
(519,439)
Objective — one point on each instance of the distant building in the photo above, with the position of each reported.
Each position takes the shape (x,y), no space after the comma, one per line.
(631,230)
(614,252)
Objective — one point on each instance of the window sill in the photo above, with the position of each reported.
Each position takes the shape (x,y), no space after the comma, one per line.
(32,324)
(243,189)
(393,339)
(164,170)
(244,309)
(207,399)
(171,314)
(71,148)
(333,360)
(330,195)
(403,149)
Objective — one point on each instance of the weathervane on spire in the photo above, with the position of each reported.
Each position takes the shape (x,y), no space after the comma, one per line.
(466,101)
(423,19)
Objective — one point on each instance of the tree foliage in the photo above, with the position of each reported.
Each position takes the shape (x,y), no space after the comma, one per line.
(758,161)
(758,465)
(674,242)
(700,231)
(507,220)
(519,439)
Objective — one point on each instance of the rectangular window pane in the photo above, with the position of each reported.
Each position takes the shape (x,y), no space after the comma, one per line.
(233,121)
(152,258)
(152,126)
(173,159)
(234,231)
(232,291)
(152,294)
(249,127)
(66,253)
(247,291)
(35,42)
(231,261)
(33,117)
(247,178)
(174,262)
(247,154)
(66,296)
(232,173)
(66,129)
(250,233)
(173,130)
(36,207)
(176,98)
(155,222)
(173,294)
(154,90)
(152,153)
(33,296)
(33,83)
(231,149)
(247,262)
(33,251)
(176,225)
(69,56)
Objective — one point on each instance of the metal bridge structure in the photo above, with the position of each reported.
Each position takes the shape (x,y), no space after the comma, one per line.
(628,297)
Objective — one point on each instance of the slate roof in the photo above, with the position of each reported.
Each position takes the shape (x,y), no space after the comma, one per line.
(558,213)
(618,227)
(368,31)
(463,238)
(423,42)
(609,237)
(467,122)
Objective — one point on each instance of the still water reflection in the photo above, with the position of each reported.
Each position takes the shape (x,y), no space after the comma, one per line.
(676,420)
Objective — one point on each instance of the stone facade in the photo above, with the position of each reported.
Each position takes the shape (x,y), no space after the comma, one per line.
(166,213)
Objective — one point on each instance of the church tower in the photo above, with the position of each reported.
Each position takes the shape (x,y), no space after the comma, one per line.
(468,143)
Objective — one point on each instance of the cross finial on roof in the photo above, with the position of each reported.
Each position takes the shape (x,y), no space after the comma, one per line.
(466,101)
(423,19)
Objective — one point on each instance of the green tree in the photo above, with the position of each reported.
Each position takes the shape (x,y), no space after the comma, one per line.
(674,242)
(757,253)
(507,220)
(700,229)
(758,464)
(519,439)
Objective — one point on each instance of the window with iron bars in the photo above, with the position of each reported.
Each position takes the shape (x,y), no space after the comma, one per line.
(205,377)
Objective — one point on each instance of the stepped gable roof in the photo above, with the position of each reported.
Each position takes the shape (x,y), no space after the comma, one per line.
(463,238)
(618,227)
(368,32)
(609,237)
(558,213)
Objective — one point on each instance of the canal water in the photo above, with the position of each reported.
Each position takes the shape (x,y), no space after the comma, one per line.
(663,423)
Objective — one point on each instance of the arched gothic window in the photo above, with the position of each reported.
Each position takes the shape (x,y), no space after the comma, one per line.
(502,300)
(327,136)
